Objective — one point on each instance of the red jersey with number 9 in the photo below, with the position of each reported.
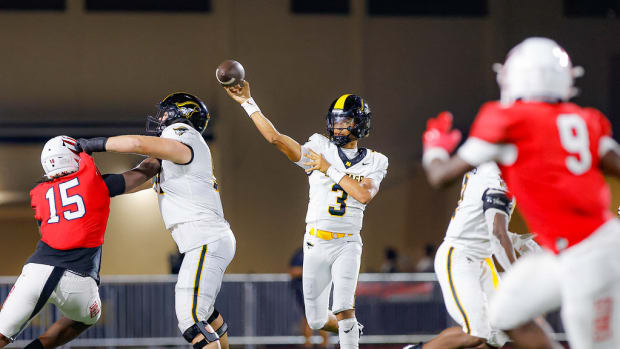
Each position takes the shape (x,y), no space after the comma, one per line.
(556,179)
(73,209)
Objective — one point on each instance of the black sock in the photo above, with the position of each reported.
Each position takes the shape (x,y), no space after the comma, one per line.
(35,344)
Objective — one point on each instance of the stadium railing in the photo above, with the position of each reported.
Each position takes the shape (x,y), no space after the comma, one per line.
(260,309)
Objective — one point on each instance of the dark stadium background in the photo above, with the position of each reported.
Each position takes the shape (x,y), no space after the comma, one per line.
(97,67)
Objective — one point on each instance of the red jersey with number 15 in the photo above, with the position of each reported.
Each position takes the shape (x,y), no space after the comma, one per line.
(556,179)
(73,209)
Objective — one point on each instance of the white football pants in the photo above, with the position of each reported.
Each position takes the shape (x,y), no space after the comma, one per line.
(334,261)
(467,283)
(77,297)
(200,279)
(584,280)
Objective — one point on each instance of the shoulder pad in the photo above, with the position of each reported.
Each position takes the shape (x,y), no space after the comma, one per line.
(177,130)
(319,138)
(494,198)
(382,160)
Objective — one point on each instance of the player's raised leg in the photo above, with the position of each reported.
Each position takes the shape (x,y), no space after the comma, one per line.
(61,332)
(317,280)
(19,306)
(199,282)
(345,271)
(512,310)
(590,289)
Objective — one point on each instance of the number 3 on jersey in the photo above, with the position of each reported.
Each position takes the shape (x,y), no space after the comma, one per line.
(342,200)
(574,139)
(65,200)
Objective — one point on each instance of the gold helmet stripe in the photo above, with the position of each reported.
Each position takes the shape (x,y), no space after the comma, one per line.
(362,108)
(340,102)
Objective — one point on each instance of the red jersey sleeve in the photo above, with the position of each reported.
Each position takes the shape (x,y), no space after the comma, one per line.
(491,124)
(602,121)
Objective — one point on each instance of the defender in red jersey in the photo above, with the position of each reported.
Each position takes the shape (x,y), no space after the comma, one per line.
(551,154)
(71,206)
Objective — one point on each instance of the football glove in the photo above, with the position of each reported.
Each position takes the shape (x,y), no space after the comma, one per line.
(92,145)
(438,133)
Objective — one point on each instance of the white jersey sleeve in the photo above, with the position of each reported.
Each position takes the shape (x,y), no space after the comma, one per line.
(380,167)
(317,143)
(189,192)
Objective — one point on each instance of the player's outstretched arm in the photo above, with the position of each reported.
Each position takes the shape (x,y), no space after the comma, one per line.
(141,174)
(156,147)
(284,143)
(362,191)
(130,180)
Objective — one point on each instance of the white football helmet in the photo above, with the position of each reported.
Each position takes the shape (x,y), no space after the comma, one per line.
(60,156)
(537,69)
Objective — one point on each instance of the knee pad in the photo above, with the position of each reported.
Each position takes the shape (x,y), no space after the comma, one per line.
(316,324)
(222,329)
(200,328)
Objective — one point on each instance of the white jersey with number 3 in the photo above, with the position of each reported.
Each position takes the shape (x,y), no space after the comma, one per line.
(189,192)
(330,207)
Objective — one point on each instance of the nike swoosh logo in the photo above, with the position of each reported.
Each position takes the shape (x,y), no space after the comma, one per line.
(365,163)
(347,331)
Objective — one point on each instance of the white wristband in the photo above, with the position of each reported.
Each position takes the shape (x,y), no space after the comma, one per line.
(250,106)
(335,174)
(432,154)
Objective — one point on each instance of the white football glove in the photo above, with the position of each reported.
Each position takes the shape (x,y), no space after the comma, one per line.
(524,243)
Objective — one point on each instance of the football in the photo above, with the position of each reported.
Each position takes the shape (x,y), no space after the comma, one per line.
(230,72)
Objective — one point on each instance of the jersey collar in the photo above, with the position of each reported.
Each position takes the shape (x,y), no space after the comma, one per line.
(361,153)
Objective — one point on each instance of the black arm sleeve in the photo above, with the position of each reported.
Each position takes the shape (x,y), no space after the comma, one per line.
(497,199)
(115,183)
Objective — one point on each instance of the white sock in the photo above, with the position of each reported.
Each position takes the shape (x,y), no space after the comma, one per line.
(348,333)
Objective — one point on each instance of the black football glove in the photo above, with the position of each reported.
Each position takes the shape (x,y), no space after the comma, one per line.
(92,145)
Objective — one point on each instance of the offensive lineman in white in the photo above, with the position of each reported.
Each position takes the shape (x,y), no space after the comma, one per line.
(463,263)
(190,205)
(343,179)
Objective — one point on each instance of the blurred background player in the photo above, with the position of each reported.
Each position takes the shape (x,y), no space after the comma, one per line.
(71,204)
(190,205)
(551,154)
(343,180)
(296,272)
(463,263)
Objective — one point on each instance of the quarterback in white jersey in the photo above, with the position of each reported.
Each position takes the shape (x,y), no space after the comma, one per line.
(463,264)
(343,179)
(190,205)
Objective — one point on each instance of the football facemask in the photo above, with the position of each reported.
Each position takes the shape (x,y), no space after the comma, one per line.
(349,112)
